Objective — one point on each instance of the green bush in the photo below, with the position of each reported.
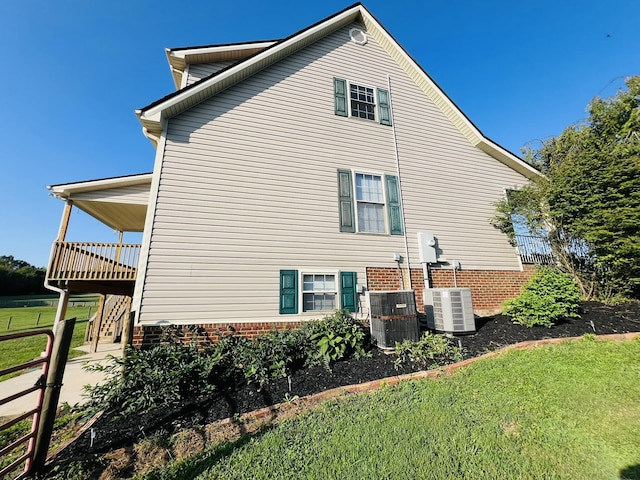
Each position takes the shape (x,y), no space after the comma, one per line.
(272,355)
(333,338)
(431,350)
(168,374)
(548,297)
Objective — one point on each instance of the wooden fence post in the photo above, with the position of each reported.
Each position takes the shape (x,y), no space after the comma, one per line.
(59,355)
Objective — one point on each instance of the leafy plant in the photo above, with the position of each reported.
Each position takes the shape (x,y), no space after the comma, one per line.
(430,351)
(548,297)
(334,338)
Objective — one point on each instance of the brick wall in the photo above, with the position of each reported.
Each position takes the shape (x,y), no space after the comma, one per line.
(145,336)
(489,288)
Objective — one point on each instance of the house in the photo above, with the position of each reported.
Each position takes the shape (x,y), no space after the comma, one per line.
(290,177)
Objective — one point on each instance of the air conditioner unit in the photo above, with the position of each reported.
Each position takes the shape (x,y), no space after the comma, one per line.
(393,317)
(449,310)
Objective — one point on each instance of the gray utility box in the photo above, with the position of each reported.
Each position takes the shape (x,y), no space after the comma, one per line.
(393,317)
(449,310)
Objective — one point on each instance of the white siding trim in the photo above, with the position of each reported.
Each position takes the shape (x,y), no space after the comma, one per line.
(148,226)
(185,78)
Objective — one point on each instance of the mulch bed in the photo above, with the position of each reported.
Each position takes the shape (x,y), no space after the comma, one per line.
(492,333)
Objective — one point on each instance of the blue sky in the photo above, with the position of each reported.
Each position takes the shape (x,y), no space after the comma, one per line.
(73,71)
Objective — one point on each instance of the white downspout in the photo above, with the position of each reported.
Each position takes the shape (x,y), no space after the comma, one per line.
(64,294)
(397,155)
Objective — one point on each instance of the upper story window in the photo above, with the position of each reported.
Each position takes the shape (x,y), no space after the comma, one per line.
(353,100)
(369,203)
(363,102)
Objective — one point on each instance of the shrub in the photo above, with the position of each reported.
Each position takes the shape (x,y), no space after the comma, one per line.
(272,355)
(168,374)
(333,338)
(431,351)
(548,297)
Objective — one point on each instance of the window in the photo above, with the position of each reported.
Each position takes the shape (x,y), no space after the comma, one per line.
(318,292)
(372,199)
(361,102)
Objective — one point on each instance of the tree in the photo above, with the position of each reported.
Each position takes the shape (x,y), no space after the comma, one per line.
(18,277)
(589,200)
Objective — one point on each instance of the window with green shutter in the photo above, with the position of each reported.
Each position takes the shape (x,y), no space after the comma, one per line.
(348,291)
(340,94)
(360,101)
(394,211)
(369,203)
(288,291)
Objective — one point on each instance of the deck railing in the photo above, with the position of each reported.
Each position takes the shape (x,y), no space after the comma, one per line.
(535,250)
(93,261)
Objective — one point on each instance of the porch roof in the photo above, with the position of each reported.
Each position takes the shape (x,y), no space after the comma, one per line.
(118,202)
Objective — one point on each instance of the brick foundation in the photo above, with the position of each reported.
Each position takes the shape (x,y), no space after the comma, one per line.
(146,336)
(489,288)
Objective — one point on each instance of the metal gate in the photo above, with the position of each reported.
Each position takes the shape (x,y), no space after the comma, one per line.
(35,413)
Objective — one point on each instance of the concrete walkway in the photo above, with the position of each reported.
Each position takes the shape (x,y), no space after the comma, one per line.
(75,377)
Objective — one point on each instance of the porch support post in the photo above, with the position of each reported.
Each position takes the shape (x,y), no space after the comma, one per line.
(64,293)
(97,323)
(64,222)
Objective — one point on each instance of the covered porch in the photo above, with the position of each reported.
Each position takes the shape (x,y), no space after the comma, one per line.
(96,267)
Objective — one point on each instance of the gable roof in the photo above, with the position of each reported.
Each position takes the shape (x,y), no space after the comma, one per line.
(152,116)
(179,58)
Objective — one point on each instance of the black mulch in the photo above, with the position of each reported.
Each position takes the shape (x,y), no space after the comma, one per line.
(492,333)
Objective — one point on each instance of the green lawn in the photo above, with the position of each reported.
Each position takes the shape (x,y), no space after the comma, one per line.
(14,352)
(570,411)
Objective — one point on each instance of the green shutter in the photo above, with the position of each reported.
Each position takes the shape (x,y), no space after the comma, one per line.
(393,205)
(384,109)
(345,197)
(340,92)
(288,291)
(348,293)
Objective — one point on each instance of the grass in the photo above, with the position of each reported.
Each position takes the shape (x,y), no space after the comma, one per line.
(568,411)
(44,300)
(15,352)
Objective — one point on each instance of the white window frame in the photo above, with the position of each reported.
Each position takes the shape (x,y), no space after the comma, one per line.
(336,291)
(375,101)
(385,214)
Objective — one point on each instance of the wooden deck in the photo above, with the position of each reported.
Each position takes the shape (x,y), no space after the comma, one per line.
(94,267)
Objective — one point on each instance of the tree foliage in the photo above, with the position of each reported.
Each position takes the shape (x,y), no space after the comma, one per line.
(18,277)
(589,200)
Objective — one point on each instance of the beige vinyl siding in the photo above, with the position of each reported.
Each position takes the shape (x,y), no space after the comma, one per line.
(248,187)
(198,71)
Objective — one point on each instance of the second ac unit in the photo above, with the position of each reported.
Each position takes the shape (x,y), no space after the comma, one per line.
(449,310)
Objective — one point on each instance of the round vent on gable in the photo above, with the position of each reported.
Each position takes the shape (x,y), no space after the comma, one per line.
(358,36)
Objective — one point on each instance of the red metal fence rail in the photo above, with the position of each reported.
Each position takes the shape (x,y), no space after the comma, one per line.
(26,458)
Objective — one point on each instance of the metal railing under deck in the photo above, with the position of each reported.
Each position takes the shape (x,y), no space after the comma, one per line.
(536,250)
(93,261)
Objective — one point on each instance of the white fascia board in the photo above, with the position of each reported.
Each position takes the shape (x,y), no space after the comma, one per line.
(475,136)
(528,171)
(216,49)
(154,114)
(67,189)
